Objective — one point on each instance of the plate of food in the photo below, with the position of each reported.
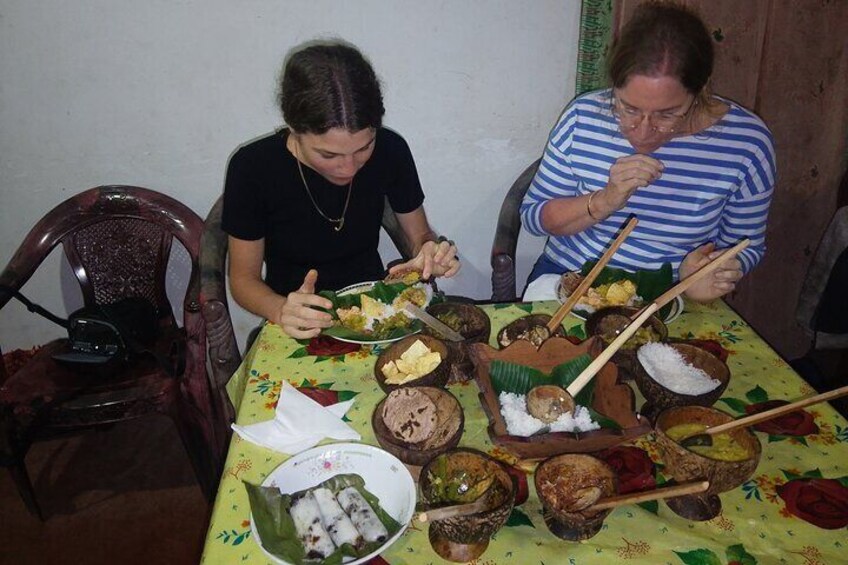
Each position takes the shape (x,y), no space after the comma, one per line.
(373,312)
(339,503)
(615,287)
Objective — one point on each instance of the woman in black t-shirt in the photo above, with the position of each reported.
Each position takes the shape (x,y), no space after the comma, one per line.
(308,200)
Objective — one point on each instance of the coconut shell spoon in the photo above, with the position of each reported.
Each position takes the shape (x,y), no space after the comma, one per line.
(584,286)
(644,496)
(705,438)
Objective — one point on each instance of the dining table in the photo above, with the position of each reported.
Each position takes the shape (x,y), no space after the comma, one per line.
(792,509)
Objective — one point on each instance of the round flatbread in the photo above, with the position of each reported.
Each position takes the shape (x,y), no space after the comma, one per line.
(410,415)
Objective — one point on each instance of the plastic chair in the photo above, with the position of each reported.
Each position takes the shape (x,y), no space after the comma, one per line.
(118,241)
(506,237)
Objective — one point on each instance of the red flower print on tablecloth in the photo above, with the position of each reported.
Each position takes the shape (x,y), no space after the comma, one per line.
(323,345)
(796,423)
(634,468)
(821,502)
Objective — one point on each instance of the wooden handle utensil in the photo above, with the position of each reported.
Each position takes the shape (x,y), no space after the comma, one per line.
(584,286)
(583,378)
(704,438)
(452,511)
(656,494)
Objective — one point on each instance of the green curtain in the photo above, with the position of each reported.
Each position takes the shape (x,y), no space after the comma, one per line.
(596,18)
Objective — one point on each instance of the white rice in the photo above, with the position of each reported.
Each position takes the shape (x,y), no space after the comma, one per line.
(520,423)
(667,366)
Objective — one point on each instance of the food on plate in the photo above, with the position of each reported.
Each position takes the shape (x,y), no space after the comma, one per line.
(724,447)
(410,415)
(362,515)
(417,361)
(619,293)
(323,524)
(666,366)
(310,528)
(379,311)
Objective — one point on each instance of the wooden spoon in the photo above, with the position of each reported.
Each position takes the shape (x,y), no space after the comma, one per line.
(478,505)
(581,289)
(656,494)
(706,439)
(684,285)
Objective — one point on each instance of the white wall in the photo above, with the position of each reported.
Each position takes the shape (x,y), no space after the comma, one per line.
(159,93)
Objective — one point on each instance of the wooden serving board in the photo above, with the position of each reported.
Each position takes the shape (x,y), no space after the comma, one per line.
(612,399)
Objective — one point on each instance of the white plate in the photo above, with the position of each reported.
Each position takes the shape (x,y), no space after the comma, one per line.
(365,287)
(581,311)
(384,475)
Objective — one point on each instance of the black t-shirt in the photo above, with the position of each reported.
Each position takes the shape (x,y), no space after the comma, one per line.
(264,197)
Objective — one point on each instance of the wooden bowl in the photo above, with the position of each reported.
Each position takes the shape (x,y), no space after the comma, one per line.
(615,401)
(559,482)
(658,397)
(438,377)
(511,332)
(465,538)
(475,327)
(450,422)
(685,465)
(605,321)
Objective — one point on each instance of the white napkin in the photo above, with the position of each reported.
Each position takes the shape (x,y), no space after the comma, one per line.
(299,423)
(543,288)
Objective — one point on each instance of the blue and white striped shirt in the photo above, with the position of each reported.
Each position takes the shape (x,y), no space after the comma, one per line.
(716,186)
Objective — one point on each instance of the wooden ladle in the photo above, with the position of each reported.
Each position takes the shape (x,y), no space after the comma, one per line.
(705,438)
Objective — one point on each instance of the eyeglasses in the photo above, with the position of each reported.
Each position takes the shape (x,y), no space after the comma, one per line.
(663,122)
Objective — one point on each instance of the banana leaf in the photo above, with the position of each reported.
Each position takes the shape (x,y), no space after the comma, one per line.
(270,510)
(649,284)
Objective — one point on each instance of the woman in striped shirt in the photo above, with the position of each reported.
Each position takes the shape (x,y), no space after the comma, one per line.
(696,169)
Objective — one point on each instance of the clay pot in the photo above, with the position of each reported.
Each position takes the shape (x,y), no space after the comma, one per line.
(685,465)
(567,486)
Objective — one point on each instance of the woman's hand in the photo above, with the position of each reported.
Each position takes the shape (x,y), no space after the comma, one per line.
(626,175)
(718,283)
(436,259)
(298,315)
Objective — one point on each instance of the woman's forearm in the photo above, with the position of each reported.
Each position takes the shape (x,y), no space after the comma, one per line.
(568,216)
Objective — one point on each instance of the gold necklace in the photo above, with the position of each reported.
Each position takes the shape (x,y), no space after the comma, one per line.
(339,222)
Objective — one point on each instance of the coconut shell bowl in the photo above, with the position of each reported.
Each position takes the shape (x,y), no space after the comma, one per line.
(568,486)
(659,397)
(438,377)
(532,328)
(462,476)
(472,323)
(605,324)
(685,465)
(418,423)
